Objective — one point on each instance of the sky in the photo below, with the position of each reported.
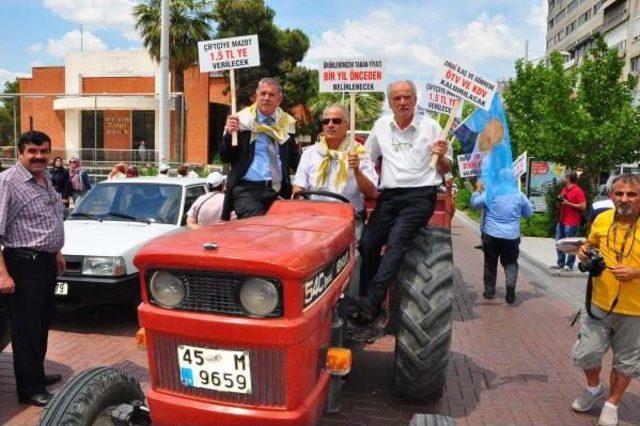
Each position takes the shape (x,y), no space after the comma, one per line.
(412,37)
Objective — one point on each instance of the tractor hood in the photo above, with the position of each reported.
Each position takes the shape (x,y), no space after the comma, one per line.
(285,246)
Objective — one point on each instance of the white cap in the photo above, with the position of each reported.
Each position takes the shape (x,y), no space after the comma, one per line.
(163,167)
(216,179)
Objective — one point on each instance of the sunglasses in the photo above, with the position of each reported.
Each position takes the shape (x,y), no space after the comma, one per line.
(326,121)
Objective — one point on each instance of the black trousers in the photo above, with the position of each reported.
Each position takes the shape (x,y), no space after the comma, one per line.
(31,308)
(397,218)
(507,251)
(250,200)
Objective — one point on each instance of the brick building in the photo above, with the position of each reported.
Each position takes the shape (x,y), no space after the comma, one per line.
(105,102)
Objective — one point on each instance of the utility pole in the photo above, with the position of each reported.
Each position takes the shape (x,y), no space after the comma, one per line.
(81,36)
(526,50)
(163,148)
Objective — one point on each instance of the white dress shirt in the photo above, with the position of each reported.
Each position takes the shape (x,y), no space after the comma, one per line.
(308,167)
(406,154)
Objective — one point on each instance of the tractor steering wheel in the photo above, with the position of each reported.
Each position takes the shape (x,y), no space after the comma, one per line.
(307,195)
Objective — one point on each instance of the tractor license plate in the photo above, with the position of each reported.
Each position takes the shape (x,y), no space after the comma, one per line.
(216,369)
(62,289)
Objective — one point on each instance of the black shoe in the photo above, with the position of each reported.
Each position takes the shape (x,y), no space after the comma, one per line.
(39,399)
(50,379)
(489,294)
(511,295)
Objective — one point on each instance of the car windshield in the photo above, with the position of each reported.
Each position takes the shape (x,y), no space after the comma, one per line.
(144,202)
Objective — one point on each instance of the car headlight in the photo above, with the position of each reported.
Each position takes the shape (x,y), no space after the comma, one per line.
(112,266)
(259,297)
(167,290)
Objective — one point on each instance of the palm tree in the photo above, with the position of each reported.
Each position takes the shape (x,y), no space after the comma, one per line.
(189,24)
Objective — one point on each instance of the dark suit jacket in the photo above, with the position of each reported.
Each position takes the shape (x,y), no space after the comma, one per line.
(240,158)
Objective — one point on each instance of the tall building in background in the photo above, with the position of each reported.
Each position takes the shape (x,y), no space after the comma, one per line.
(572,26)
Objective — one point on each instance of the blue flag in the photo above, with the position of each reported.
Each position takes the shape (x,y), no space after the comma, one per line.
(487,132)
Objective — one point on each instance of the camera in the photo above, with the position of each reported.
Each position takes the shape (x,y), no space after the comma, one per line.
(594,265)
(561,197)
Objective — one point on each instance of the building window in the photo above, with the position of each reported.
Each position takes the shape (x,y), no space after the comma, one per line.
(597,7)
(92,130)
(636,28)
(584,17)
(570,28)
(143,129)
(560,15)
(635,64)
(572,5)
(551,4)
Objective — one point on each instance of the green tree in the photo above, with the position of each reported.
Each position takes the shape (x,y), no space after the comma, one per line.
(611,122)
(7,106)
(280,52)
(189,23)
(582,117)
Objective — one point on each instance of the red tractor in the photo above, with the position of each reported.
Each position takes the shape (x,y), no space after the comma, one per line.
(244,323)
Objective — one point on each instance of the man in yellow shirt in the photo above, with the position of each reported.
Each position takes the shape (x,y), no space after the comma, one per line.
(614,320)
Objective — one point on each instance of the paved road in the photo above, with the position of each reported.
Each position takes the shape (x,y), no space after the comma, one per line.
(510,365)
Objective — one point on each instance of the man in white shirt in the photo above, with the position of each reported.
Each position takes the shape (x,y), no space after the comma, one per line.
(207,209)
(408,189)
(334,165)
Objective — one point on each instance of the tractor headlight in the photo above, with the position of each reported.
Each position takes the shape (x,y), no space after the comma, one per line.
(166,289)
(110,266)
(259,297)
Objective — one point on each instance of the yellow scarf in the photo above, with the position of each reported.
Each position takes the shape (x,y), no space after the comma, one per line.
(341,155)
(279,131)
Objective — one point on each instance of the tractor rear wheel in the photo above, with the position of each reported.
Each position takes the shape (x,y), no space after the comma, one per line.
(424,291)
(88,397)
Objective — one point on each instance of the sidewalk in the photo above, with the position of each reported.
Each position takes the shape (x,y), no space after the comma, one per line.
(539,252)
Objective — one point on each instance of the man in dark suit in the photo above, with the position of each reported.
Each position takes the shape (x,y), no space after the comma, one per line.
(265,156)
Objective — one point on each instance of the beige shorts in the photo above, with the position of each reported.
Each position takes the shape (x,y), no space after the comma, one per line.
(620,332)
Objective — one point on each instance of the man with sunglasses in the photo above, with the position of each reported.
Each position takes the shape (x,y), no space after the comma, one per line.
(406,142)
(265,155)
(614,318)
(32,234)
(335,164)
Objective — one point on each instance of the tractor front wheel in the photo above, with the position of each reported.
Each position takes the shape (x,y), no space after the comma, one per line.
(88,398)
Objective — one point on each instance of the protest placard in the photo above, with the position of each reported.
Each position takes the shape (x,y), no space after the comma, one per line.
(351,75)
(470,165)
(468,85)
(229,54)
(520,165)
(439,100)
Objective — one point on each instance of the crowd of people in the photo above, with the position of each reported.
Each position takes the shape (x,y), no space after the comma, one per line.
(261,165)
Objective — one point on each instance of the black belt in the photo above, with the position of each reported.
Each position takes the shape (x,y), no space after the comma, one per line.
(256,183)
(27,253)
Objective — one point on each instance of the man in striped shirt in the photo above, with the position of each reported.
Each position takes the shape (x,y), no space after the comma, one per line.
(32,234)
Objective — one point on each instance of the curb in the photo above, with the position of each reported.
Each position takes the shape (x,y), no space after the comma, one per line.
(543,267)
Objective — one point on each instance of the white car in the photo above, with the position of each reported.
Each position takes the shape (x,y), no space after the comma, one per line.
(107,228)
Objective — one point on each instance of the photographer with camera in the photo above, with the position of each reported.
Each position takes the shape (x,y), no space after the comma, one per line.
(612,318)
(571,201)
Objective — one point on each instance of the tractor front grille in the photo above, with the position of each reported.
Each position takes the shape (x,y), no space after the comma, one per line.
(215,292)
(267,373)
